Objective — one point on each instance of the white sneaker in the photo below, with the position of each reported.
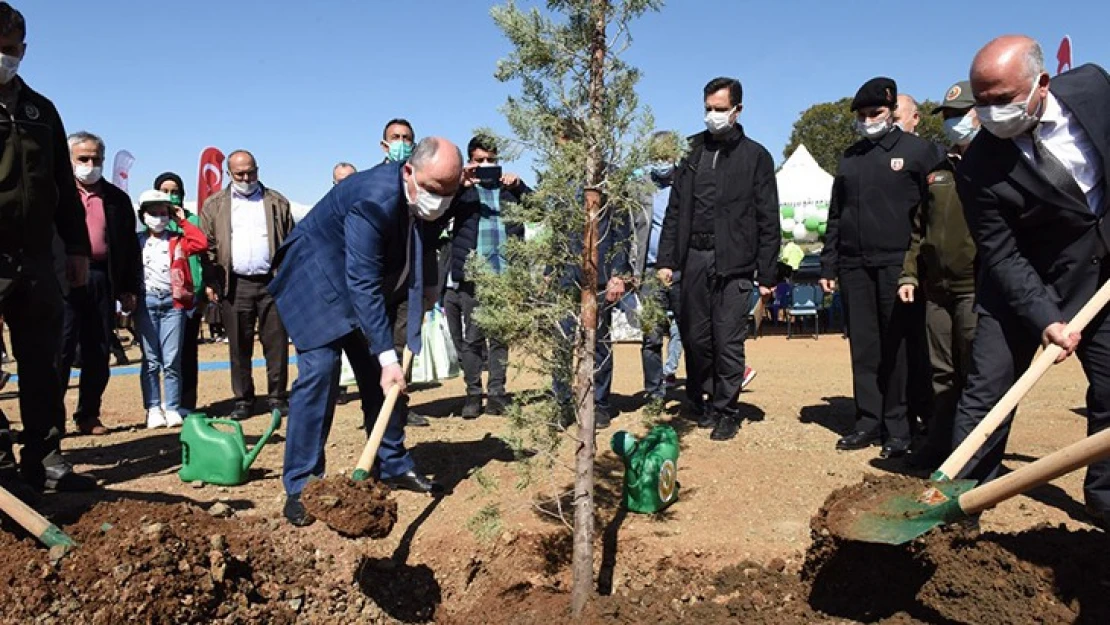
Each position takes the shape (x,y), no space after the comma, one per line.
(155,418)
(173,418)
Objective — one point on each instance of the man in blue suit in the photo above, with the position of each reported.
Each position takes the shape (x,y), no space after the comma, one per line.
(344,271)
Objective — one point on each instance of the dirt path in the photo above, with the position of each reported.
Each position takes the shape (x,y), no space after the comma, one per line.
(749,500)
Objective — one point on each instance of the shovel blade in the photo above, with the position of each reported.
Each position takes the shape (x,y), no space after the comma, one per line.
(902,517)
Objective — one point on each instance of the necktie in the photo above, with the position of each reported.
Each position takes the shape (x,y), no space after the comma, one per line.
(416,286)
(1054,171)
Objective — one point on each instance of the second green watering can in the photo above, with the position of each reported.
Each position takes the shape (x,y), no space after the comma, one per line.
(215,456)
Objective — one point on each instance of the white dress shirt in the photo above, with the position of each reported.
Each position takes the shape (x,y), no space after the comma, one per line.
(250,235)
(1069,143)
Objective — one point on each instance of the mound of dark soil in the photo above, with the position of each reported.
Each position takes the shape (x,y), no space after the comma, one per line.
(141,562)
(352,508)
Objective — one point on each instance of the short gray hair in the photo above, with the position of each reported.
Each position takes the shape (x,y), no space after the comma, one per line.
(1034,60)
(83,136)
(344,164)
(425,152)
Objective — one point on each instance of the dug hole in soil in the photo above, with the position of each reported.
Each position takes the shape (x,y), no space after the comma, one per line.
(950,575)
(176,563)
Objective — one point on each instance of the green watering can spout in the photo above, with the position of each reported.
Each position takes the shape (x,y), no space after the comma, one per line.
(248,457)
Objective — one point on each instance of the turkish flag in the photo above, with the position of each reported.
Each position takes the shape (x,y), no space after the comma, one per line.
(211,177)
(1063,55)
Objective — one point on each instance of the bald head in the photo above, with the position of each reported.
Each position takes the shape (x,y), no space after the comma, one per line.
(436,163)
(341,171)
(1006,69)
(906,115)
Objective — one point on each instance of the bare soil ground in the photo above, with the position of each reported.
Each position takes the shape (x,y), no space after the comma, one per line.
(733,549)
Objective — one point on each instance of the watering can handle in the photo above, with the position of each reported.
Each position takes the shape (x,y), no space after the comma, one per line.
(275,421)
(235,424)
(978,437)
(1079,454)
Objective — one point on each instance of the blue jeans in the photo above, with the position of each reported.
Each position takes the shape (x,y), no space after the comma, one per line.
(161,333)
(674,349)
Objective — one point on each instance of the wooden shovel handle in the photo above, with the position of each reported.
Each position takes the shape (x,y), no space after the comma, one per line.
(978,437)
(23,514)
(370,451)
(1063,461)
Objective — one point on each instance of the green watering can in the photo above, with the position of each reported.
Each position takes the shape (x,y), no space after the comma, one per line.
(215,456)
(650,468)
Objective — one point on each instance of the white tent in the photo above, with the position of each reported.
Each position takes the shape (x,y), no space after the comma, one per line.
(801,180)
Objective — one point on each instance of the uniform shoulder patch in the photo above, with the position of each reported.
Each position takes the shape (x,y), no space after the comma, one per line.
(896,164)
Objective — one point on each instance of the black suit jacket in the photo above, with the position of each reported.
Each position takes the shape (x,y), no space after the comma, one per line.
(1040,251)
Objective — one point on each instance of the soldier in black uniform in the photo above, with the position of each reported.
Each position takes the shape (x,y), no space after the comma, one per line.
(880,182)
(38,197)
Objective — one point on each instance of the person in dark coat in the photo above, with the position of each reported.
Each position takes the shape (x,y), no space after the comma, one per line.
(1034,189)
(880,183)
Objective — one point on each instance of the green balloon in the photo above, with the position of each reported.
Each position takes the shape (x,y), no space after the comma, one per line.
(811,223)
(821,229)
(787,211)
(787,235)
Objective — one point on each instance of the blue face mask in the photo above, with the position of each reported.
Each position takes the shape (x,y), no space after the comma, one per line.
(399,150)
(661,172)
(960,130)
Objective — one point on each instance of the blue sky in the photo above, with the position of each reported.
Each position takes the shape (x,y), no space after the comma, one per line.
(306,84)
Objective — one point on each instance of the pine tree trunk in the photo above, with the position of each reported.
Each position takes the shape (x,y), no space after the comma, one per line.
(583,560)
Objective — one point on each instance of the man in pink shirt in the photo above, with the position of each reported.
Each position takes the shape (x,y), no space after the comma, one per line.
(114,269)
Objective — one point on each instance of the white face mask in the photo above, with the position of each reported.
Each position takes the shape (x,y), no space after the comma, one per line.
(427,206)
(9,67)
(874,130)
(717,122)
(87,174)
(245,189)
(1007,121)
(960,130)
(157,224)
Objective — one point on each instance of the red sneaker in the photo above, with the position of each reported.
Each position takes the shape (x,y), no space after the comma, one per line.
(749,375)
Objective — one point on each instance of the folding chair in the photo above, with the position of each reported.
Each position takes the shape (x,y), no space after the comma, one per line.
(805,301)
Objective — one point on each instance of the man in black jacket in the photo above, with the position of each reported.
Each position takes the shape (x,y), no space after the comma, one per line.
(880,182)
(722,232)
(38,198)
(479,227)
(1034,191)
(114,271)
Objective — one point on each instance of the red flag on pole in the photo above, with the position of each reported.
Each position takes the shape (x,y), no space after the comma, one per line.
(1063,55)
(211,178)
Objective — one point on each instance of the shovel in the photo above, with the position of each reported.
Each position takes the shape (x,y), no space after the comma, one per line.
(370,451)
(982,432)
(47,533)
(904,517)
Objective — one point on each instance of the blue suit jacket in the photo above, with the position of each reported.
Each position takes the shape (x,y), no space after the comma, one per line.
(342,262)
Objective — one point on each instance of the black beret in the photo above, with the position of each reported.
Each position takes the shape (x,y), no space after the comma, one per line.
(881,91)
(169,175)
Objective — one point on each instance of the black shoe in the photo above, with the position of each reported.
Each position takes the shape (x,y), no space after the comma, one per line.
(859,440)
(58,477)
(602,418)
(9,481)
(1100,520)
(121,358)
(295,513)
(417,420)
(894,448)
(280,405)
(414,482)
(497,405)
(726,428)
(473,407)
(706,418)
(242,411)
